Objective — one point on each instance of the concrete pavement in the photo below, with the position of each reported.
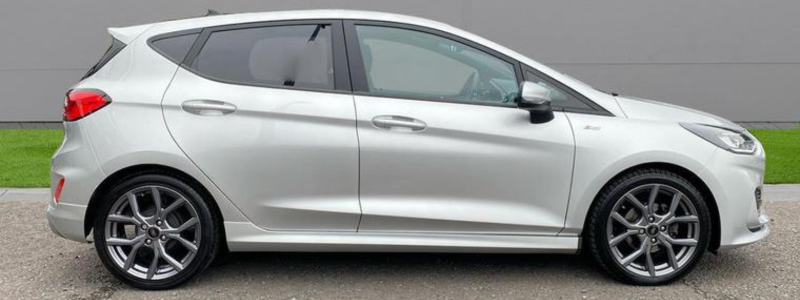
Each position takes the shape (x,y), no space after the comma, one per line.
(781,192)
(24,195)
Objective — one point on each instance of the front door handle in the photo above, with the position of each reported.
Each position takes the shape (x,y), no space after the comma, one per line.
(208,107)
(398,123)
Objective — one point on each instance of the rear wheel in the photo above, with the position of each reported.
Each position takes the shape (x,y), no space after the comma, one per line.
(155,232)
(649,227)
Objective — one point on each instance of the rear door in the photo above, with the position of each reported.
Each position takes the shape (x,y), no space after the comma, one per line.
(266,112)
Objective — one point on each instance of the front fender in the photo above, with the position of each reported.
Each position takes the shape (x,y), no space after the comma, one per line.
(608,146)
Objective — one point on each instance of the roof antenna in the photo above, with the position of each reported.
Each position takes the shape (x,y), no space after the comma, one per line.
(212,12)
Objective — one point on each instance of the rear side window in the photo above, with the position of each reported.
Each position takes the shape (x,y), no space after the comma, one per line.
(175,48)
(291,56)
(116,47)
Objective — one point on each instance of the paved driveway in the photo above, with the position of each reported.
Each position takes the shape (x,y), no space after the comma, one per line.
(35,264)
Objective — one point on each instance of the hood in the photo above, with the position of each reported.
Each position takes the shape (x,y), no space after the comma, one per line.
(637,108)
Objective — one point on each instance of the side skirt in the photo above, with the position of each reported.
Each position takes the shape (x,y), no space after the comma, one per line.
(246,237)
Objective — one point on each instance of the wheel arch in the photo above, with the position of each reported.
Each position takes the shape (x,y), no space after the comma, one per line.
(705,191)
(148,169)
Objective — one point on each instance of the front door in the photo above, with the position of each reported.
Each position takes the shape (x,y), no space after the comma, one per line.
(443,147)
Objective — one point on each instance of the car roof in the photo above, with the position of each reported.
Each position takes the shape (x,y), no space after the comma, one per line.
(128,34)
(225,19)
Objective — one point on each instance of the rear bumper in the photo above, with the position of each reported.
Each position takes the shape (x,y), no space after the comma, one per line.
(66,220)
(75,162)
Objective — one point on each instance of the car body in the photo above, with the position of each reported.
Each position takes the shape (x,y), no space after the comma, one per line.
(330,162)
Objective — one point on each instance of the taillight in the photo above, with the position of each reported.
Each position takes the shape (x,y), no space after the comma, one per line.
(59,187)
(83,102)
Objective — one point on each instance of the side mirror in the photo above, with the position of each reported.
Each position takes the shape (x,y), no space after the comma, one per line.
(536,100)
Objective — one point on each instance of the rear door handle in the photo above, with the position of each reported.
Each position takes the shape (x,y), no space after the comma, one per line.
(208,107)
(398,123)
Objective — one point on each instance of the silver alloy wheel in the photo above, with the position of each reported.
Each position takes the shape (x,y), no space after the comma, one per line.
(152,232)
(653,230)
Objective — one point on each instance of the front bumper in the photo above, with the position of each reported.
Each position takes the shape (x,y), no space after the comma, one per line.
(763,221)
(733,180)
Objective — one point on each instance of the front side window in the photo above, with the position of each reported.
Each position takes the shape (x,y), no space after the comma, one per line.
(291,56)
(413,64)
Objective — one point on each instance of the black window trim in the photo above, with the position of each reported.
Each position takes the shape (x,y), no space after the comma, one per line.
(153,39)
(341,77)
(594,108)
(358,72)
(108,55)
(349,73)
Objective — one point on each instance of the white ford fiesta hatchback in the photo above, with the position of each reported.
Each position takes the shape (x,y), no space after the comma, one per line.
(338,130)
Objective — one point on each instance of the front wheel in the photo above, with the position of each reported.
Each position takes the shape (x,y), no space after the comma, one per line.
(155,232)
(649,227)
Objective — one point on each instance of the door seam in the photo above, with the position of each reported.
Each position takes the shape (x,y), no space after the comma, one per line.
(355,123)
(572,177)
(186,155)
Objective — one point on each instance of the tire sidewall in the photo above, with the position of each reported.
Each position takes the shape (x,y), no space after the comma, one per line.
(607,204)
(209,235)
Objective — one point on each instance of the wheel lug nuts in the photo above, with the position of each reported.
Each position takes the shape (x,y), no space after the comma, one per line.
(652,219)
(653,240)
(163,237)
(158,223)
(641,231)
(148,241)
(144,226)
(663,228)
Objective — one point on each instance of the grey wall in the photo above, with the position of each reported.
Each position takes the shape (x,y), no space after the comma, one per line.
(736,58)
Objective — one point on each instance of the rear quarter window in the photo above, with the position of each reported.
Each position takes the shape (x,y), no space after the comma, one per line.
(174,48)
(116,47)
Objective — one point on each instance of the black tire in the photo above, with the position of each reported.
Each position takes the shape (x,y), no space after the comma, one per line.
(597,234)
(209,231)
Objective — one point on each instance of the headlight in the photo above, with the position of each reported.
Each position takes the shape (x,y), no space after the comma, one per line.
(733,141)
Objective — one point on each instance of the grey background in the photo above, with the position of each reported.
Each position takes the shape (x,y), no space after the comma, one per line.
(736,58)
